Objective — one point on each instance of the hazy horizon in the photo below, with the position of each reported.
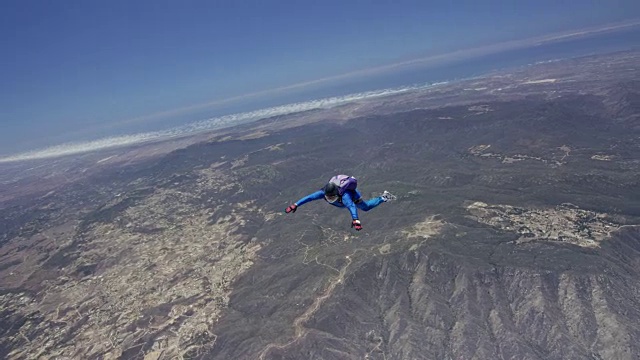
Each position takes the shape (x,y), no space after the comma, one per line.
(84,73)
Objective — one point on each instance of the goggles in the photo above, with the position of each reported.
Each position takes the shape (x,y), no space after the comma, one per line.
(331,198)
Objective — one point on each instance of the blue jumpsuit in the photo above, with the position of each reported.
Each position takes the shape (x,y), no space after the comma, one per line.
(350,199)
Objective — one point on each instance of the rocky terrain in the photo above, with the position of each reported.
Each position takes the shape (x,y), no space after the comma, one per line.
(514,236)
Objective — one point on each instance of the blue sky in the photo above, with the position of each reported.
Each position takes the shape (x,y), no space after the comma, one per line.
(72,67)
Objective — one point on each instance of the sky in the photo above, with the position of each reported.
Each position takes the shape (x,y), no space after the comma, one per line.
(79,70)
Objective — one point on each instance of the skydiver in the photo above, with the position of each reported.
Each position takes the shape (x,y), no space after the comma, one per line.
(341,191)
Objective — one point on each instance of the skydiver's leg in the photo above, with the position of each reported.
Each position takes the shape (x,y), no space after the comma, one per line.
(366,205)
(370,204)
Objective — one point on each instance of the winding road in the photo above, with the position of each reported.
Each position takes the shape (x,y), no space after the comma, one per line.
(298,324)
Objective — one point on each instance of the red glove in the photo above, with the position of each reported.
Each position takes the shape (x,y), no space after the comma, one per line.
(291,208)
(356,224)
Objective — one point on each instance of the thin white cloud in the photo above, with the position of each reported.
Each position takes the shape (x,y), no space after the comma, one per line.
(378,70)
(199,126)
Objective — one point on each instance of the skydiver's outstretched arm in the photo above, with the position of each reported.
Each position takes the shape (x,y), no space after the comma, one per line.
(347,201)
(313,196)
